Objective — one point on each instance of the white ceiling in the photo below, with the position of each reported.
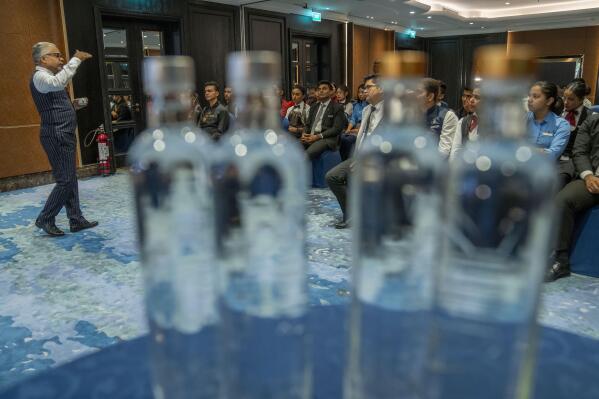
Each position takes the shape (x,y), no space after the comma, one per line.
(431,18)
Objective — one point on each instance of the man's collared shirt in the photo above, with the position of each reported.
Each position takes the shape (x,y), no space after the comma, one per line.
(45,81)
(551,134)
(375,114)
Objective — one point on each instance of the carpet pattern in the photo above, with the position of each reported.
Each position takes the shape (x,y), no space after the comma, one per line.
(61,298)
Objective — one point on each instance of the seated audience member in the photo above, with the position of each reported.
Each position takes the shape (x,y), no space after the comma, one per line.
(297,115)
(338,177)
(442,91)
(230,101)
(575,114)
(466,94)
(342,95)
(311,99)
(284,103)
(196,108)
(214,118)
(586,102)
(326,121)
(467,128)
(548,131)
(440,120)
(348,139)
(578,195)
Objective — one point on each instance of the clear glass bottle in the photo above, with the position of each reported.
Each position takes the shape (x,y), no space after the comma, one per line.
(260,188)
(395,203)
(173,195)
(500,220)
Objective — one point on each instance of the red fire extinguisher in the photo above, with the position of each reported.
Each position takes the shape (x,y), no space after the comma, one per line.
(102,140)
(103,152)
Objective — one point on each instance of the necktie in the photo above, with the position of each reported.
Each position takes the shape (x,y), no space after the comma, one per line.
(366,126)
(473,123)
(318,118)
(571,117)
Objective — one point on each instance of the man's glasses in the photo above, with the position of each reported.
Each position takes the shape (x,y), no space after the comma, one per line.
(57,55)
(369,87)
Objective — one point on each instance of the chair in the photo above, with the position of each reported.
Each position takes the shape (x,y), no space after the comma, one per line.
(321,165)
(584,257)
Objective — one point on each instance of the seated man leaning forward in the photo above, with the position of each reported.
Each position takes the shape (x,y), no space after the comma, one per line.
(578,196)
(338,177)
(326,121)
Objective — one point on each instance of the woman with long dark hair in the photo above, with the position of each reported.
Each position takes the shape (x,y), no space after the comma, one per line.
(548,131)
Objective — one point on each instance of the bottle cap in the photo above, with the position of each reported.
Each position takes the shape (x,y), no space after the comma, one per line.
(403,64)
(495,61)
(168,75)
(253,70)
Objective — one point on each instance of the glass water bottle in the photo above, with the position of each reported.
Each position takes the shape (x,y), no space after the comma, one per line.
(501,217)
(395,202)
(260,185)
(173,196)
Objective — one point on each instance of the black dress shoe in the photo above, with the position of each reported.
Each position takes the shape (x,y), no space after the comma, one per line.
(344,224)
(559,269)
(49,228)
(81,225)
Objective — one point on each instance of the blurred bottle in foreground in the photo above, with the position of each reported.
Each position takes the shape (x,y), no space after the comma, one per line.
(173,197)
(500,221)
(260,185)
(396,202)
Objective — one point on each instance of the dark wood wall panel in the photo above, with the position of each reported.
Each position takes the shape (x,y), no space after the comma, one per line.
(446,64)
(213,33)
(268,31)
(451,60)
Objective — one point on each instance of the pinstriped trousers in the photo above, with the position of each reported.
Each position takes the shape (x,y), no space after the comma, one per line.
(60,149)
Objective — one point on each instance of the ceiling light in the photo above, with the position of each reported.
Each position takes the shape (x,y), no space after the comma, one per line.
(507,3)
(482,27)
(429,17)
(412,12)
(471,23)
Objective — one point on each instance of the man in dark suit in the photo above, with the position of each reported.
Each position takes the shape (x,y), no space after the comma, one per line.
(579,195)
(326,121)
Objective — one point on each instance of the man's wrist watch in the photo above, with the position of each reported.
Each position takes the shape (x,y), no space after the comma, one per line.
(320,135)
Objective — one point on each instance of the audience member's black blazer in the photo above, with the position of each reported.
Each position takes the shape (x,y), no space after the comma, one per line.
(333,123)
(586,147)
(583,116)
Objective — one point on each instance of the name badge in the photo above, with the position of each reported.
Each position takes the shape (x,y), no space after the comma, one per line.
(547,133)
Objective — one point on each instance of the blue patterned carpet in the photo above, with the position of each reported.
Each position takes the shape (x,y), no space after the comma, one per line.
(61,298)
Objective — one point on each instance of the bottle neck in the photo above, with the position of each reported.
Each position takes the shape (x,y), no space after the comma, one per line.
(258,109)
(168,109)
(502,113)
(401,107)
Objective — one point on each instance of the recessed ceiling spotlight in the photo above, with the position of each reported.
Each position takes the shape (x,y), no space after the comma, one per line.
(507,3)
(429,17)
(412,12)
(471,23)
(482,27)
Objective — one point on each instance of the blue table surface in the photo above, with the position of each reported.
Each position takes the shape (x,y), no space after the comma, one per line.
(567,366)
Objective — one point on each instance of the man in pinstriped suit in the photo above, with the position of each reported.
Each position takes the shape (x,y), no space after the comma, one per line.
(57,134)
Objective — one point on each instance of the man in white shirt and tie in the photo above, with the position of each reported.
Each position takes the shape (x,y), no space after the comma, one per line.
(57,133)
(338,177)
(326,121)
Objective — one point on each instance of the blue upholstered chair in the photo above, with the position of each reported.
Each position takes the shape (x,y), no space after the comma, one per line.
(321,165)
(584,258)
